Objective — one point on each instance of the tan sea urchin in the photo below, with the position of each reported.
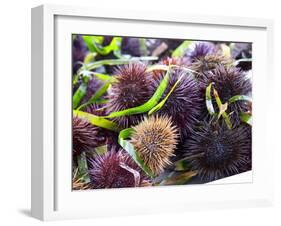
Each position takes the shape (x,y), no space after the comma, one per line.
(210,62)
(155,140)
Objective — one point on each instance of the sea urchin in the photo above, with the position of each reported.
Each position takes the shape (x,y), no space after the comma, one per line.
(184,105)
(229,82)
(200,50)
(155,140)
(209,62)
(132,88)
(85,136)
(115,170)
(215,151)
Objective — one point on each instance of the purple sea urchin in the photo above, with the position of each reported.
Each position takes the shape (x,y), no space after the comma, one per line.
(132,88)
(200,50)
(228,81)
(184,105)
(115,170)
(155,140)
(85,136)
(215,152)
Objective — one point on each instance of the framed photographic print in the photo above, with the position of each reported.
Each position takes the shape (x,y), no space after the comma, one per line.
(137,113)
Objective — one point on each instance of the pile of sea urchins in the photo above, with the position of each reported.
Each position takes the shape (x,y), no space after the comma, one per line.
(182,129)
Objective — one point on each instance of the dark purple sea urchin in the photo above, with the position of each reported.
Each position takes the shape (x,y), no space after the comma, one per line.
(155,140)
(115,170)
(184,105)
(85,136)
(200,50)
(228,81)
(215,151)
(132,88)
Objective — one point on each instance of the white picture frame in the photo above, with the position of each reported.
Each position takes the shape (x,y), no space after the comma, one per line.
(52,197)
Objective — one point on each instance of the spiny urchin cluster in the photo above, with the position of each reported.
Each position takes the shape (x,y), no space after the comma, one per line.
(229,82)
(184,105)
(133,87)
(215,151)
(155,140)
(115,170)
(85,136)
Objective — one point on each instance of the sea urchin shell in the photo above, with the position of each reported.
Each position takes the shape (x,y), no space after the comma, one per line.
(115,170)
(215,151)
(133,88)
(155,140)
